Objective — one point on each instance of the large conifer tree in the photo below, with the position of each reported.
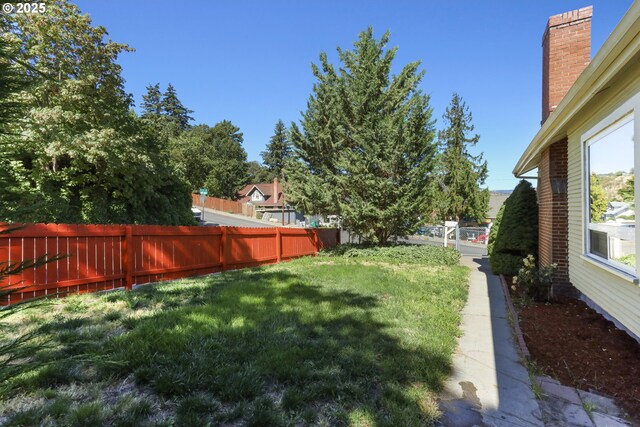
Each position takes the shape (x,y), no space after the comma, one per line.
(172,107)
(152,101)
(365,149)
(278,151)
(461,173)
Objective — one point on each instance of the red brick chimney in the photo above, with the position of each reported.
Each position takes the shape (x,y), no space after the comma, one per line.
(566,52)
(275,190)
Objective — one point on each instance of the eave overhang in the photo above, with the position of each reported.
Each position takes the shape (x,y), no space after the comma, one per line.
(620,48)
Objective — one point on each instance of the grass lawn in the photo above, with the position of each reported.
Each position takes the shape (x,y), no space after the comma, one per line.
(358,337)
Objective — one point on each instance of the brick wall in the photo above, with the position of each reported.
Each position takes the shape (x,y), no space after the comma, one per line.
(553,216)
(566,52)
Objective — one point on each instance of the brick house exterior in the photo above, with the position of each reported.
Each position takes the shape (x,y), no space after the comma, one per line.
(590,126)
(566,50)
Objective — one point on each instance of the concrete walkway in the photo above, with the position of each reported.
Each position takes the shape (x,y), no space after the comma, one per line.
(488,386)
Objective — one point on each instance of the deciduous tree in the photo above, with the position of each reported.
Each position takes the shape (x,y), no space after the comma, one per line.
(628,191)
(212,157)
(597,199)
(257,173)
(229,170)
(17,199)
(80,146)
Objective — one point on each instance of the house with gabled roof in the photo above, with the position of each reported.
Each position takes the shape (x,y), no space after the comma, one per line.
(590,127)
(269,198)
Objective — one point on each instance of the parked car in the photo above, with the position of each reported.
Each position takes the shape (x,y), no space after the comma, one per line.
(483,238)
(434,231)
(197,214)
(334,221)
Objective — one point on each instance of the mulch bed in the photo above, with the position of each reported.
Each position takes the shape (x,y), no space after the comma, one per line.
(577,346)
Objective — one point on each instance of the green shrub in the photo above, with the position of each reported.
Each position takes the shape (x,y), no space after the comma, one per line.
(535,282)
(514,235)
(401,253)
(505,264)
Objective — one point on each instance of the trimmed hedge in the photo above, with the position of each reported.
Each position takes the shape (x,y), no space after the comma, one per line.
(401,253)
(514,235)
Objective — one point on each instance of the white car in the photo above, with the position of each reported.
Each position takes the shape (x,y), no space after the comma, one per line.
(197,214)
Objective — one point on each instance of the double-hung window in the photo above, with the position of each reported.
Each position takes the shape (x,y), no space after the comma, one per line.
(610,208)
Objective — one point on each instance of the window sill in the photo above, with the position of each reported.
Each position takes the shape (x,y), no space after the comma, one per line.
(611,269)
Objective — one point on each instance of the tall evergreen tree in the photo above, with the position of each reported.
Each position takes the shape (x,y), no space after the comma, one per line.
(514,234)
(172,107)
(278,151)
(152,101)
(157,122)
(365,149)
(461,173)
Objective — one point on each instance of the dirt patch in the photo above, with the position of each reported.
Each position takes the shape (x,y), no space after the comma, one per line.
(571,342)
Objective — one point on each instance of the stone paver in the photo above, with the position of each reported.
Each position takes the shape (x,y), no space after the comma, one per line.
(559,391)
(490,387)
(564,406)
(604,420)
(604,404)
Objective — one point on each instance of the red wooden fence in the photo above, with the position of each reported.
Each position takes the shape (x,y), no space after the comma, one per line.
(225,205)
(102,257)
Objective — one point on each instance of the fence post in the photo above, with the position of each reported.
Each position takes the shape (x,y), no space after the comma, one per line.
(223,243)
(128,257)
(316,241)
(278,245)
(338,236)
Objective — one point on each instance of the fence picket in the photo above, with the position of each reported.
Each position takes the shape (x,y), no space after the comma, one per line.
(111,256)
(225,205)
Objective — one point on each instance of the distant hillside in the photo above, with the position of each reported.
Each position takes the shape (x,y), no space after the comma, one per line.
(611,183)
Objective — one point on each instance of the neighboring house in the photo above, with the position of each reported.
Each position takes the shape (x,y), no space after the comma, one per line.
(590,125)
(496,200)
(269,198)
(617,210)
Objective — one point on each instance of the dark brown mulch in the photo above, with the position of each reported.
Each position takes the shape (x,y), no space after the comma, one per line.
(577,346)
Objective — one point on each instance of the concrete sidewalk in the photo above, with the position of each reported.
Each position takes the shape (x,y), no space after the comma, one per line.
(488,386)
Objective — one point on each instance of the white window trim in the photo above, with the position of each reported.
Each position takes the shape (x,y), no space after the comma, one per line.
(628,111)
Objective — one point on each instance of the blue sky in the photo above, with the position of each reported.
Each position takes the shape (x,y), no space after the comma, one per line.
(250,61)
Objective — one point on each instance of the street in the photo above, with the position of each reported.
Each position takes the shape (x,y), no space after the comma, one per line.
(211,217)
(465,248)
